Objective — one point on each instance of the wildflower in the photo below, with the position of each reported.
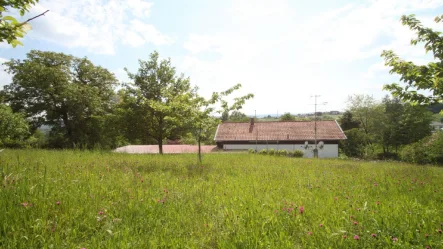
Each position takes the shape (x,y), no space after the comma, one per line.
(378,203)
(439,230)
(58,203)
(426,235)
(321,225)
(394,239)
(428,247)
(100,213)
(356,237)
(374,235)
(336,198)
(345,236)
(309,233)
(355,223)
(302,210)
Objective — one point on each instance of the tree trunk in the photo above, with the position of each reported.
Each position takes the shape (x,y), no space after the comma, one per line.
(199,150)
(160,146)
(68,127)
(160,138)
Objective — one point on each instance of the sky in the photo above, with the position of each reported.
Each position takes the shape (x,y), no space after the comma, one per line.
(282,51)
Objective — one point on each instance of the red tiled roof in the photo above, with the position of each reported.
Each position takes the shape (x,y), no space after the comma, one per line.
(167,149)
(279,131)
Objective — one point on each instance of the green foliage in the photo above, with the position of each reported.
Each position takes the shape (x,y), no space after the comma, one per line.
(161,97)
(418,77)
(428,150)
(281,152)
(354,145)
(251,151)
(14,129)
(271,151)
(384,127)
(263,152)
(237,116)
(70,94)
(11,30)
(59,198)
(347,122)
(200,119)
(298,153)
(287,117)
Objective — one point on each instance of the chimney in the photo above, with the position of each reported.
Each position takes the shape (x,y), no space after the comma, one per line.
(251,125)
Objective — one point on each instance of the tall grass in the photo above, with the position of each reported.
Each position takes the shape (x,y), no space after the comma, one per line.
(73,199)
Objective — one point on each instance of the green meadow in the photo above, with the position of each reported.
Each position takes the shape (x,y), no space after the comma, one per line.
(75,199)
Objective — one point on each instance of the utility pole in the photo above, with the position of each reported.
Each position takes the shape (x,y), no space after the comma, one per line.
(315,125)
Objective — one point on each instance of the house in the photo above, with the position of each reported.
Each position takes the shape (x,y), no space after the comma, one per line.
(279,135)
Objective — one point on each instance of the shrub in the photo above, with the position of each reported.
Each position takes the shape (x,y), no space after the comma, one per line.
(282,152)
(263,152)
(271,152)
(298,153)
(414,153)
(428,150)
(251,151)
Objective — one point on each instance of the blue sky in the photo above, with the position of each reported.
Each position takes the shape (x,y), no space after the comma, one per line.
(282,51)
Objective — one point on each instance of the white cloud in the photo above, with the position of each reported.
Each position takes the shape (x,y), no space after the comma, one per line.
(95,25)
(283,57)
(260,8)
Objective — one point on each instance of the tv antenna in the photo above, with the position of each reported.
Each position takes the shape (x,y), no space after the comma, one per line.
(315,124)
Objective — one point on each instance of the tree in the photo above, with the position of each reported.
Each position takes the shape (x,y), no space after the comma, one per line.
(347,122)
(237,116)
(201,119)
(354,146)
(62,91)
(418,77)
(13,128)
(366,111)
(161,97)
(11,29)
(287,117)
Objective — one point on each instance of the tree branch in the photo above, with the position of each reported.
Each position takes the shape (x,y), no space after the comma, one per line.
(30,19)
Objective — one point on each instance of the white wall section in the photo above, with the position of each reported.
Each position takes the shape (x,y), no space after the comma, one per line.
(328,151)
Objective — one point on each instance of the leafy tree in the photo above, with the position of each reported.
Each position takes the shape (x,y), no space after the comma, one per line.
(355,145)
(161,97)
(237,116)
(367,112)
(418,77)
(287,117)
(14,129)
(347,122)
(202,119)
(11,29)
(62,91)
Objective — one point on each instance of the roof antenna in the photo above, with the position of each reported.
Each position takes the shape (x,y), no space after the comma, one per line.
(315,124)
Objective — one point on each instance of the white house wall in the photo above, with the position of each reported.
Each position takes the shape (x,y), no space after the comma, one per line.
(328,151)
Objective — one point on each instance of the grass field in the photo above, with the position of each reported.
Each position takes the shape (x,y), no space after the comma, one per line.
(71,199)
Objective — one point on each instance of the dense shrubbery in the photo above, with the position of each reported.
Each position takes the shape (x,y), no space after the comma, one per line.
(273,152)
(282,153)
(298,153)
(428,150)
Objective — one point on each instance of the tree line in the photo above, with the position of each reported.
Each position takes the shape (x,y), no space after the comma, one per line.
(82,107)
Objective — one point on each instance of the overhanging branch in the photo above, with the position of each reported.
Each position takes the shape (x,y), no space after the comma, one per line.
(30,19)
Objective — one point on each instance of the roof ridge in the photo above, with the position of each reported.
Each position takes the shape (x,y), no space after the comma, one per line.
(288,121)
